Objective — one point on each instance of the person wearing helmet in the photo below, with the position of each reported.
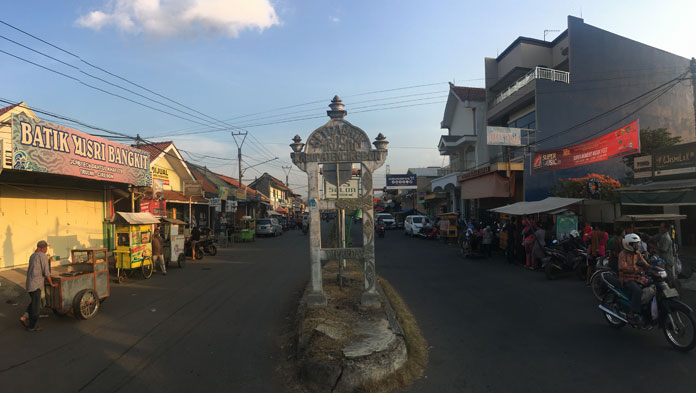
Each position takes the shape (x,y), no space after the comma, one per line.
(631,272)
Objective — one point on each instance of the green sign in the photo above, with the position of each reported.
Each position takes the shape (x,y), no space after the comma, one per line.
(565,225)
(348,190)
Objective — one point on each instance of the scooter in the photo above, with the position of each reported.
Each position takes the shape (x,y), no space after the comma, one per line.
(660,307)
(187,249)
(208,246)
(381,229)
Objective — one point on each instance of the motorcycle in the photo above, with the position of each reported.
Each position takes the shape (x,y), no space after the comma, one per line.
(208,246)
(187,248)
(566,257)
(381,229)
(470,245)
(602,264)
(305,229)
(661,308)
(428,232)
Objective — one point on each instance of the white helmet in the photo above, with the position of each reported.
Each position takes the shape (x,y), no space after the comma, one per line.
(630,242)
(574,234)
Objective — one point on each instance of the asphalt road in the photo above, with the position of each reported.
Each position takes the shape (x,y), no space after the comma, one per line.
(215,326)
(495,327)
(211,327)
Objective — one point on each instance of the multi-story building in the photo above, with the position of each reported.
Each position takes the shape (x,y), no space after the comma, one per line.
(280,195)
(586,82)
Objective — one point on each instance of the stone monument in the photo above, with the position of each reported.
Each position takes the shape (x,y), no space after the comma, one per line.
(337,146)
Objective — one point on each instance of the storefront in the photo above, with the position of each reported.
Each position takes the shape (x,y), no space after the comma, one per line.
(60,185)
(170,177)
(490,187)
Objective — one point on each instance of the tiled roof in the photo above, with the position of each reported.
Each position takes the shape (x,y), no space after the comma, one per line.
(155,149)
(176,196)
(207,185)
(7,109)
(234,182)
(469,93)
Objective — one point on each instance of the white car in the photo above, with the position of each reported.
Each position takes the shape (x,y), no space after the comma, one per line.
(388,219)
(268,227)
(413,224)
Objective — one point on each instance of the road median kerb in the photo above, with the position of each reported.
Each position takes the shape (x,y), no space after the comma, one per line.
(340,352)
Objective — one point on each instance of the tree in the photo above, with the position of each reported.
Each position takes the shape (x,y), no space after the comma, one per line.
(651,140)
(578,188)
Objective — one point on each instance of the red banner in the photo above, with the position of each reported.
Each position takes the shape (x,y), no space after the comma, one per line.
(618,143)
(158,208)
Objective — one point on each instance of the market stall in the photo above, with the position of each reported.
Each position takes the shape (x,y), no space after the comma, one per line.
(174,239)
(133,243)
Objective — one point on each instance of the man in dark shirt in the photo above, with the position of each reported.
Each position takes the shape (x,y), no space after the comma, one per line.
(157,255)
(195,238)
(36,272)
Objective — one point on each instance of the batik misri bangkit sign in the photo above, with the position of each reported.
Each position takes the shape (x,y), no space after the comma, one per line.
(44,147)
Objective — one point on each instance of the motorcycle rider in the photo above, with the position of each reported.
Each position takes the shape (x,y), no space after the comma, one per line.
(631,272)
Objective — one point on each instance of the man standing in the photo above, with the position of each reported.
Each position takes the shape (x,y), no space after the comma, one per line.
(195,238)
(36,272)
(157,255)
(665,249)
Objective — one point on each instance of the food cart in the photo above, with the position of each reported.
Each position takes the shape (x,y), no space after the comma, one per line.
(134,243)
(82,285)
(247,229)
(174,238)
(448,226)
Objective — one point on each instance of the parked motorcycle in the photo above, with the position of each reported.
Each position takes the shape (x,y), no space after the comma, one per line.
(428,232)
(564,257)
(187,249)
(305,229)
(661,308)
(208,246)
(602,264)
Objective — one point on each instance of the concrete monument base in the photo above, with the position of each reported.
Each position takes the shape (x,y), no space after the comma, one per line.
(370,300)
(316,299)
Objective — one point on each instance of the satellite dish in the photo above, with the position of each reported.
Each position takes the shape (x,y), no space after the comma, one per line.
(345,172)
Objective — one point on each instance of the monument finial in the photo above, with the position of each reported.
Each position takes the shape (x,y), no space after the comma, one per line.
(337,111)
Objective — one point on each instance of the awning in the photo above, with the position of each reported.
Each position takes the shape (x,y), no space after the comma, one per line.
(136,218)
(546,205)
(173,221)
(660,193)
(281,210)
(488,186)
(650,217)
(179,197)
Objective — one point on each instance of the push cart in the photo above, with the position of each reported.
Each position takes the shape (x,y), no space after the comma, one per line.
(82,285)
(448,227)
(134,244)
(247,229)
(174,240)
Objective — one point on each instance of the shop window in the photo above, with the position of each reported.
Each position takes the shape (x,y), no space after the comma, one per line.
(123,239)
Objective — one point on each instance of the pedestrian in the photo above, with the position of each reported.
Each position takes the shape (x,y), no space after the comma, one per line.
(509,229)
(157,254)
(598,247)
(665,249)
(195,238)
(38,269)
(486,241)
(528,241)
(538,251)
(587,235)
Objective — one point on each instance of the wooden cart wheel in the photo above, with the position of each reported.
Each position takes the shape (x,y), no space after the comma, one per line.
(181,261)
(167,259)
(121,277)
(147,268)
(85,304)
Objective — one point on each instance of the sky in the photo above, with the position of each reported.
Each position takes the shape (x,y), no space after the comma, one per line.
(271,67)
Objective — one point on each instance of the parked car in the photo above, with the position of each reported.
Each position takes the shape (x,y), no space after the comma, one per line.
(388,219)
(413,224)
(268,227)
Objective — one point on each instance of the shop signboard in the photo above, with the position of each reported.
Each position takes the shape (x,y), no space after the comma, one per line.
(564,225)
(161,174)
(618,143)
(675,160)
(157,208)
(642,167)
(44,147)
(347,190)
(216,203)
(504,136)
(192,188)
(230,206)
(223,192)
(402,182)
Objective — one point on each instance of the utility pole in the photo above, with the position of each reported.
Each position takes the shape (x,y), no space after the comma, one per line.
(693,84)
(239,155)
(287,170)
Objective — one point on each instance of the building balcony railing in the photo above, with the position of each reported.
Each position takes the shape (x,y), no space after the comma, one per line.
(536,73)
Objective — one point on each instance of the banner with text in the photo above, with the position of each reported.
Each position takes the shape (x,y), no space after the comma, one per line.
(402,182)
(618,143)
(44,147)
(504,136)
